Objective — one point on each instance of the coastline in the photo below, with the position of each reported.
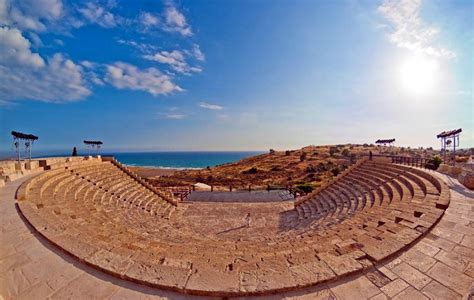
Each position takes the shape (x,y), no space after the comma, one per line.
(149,172)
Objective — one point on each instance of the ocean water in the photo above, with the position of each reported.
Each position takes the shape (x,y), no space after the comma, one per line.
(185,160)
(178,160)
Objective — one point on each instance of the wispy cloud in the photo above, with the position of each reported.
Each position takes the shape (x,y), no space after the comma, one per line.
(175,59)
(210,106)
(148,19)
(30,15)
(175,21)
(126,76)
(175,116)
(142,47)
(99,15)
(408,29)
(197,53)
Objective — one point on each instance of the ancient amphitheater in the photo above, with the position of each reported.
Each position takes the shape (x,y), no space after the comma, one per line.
(379,230)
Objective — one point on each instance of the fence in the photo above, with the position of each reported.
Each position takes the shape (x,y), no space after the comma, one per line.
(427,163)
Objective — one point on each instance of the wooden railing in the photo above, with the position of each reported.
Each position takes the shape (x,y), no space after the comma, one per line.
(161,194)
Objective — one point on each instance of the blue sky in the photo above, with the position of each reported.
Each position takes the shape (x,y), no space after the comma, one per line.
(235,75)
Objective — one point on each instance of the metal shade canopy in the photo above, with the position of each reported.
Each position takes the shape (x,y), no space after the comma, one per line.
(28,138)
(449,138)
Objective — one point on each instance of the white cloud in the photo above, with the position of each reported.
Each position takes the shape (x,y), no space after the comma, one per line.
(30,14)
(126,76)
(409,30)
(143,47)
(148,19)
(58,80)
(15,50)
(24,74)
(175,59)
(176,116)
(223,117)
(35,39)
(98,15)
(210,106)
(90,73)
(59,42)
(175,21)
(197,53)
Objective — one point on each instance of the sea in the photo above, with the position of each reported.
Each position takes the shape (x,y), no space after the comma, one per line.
(167,160)
(182,160)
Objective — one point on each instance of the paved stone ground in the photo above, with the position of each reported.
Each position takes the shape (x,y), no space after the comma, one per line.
(227,221)
(439,266)
(247,197)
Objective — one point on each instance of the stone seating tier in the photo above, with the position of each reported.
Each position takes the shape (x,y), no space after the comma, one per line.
(106,217)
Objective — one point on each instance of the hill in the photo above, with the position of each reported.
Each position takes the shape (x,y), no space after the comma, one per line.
(307,168)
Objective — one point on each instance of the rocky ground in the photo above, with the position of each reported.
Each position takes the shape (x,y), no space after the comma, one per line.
(305,168)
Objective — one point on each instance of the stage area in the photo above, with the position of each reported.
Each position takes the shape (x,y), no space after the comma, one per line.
(241,196)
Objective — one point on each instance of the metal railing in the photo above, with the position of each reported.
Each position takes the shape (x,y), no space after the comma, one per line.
(421,162)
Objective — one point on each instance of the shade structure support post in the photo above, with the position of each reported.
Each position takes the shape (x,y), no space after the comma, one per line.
(18,138)
(454,150)
(17,147)
(93,145)
(444,149)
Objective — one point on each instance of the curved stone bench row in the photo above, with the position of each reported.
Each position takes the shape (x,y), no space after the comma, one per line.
(374,184)
(81,182)
(105,218)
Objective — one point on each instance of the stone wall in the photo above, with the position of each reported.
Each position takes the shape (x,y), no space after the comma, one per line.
(464,174)
(11,169)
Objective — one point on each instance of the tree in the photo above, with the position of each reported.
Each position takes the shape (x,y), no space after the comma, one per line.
(272,151)
(74,151)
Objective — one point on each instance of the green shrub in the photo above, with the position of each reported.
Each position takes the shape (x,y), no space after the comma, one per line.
(333,150)
(346,152)
(321,167)
(304,188)
(252,170)
(303,156)
(436,162)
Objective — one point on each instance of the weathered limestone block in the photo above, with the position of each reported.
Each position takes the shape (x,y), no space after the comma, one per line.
(449,170)
(455,171)
(443,168)
(31,165)
(466,178)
